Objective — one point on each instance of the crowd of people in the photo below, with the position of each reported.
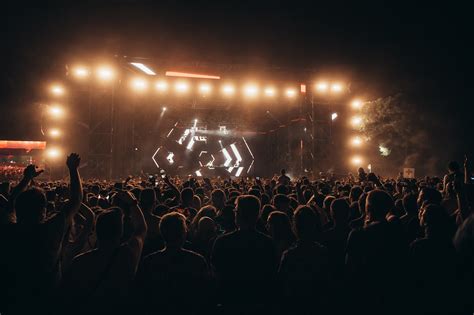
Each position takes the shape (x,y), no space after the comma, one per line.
(237,246)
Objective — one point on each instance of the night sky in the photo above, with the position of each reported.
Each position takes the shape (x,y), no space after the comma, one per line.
(420,50)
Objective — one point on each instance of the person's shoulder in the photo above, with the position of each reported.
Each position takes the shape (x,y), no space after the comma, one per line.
(86,256)
(193,256)
(227,236)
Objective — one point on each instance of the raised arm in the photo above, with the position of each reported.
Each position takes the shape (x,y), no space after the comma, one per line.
(173,187)
(29,174)
(75,186)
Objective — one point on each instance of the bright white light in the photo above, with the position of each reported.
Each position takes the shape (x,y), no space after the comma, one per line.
(236,153)
(239,171)
(228,158)
(228,90)
(181,87)
(53,153)
(333,116)
(336,87)
(384,151)
(190,144)
(56,111)
(322,87)
(205,88)
(80,72)
(198,173)
(356,104)
(170,157)
(251,90)
(143,68)
(57,90)
(105,73)
(161,86)
(356,141)
(164,109)
(290,93)
(139,84)
(356,160)
(356,121)
(54,133)
(269,91)
(153,157)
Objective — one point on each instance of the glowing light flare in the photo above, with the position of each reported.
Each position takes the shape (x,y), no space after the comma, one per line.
(181,87)
(80,72)
(57,90)
(336,87)
(322,87)
(356,121)
(228,90)
(105,73)
(53,153)
(356,160)
(290,93)
(139,84)
(239,171)
(205,88)
(55,111)
(54,133)
(228,158)
(250,90)
(191,75)
(269,91)
(356,141)
(161,86)
(236,153)
(356,104)
(333,116)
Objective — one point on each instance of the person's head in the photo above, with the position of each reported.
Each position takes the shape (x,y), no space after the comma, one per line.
(30,206)
(327,202)
(356,192)
(173,229)
(281,202)
(187,196)
(409,204)
(266,210)
(340,211)
(435,220)
(206,228)
(378,204)
(453,167)
(147,199)
(307,224)
(218,198)
(429,195)
(247,210)
(283,171)
(109,227)
(279,226)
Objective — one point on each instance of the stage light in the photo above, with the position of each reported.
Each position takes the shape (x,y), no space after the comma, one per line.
(55,111)
(105,73)
(290,93)
(80,72)
(57,90)
(356,160)
(161,86)
(336,87)
(164,109)
(384,151)
(356,141)
(143,68)
(181,87)
(54,133)
(356,104)
(139,84)
(251,90)
(205,88)
(269,91)
(356,121)
(191,75)
(333,116)
(322,87)
(53,153)
(228,90)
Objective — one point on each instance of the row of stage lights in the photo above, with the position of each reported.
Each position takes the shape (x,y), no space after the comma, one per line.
(357,140)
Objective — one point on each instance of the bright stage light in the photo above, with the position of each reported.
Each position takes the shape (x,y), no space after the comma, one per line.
(139,84)
(290,93)
(269,91)
(228,90)
(164,109)
(251,90)
(191,75)
(356,160)
(80,72)
(356,121)
(57,90)
(356,141)
(322,87)
(54,133)
(336,87)
(181,87)
(356,104)
(143,68)
(53,153)
(205,88)
(55,111)
(333,116)
(105,73)
(161,86)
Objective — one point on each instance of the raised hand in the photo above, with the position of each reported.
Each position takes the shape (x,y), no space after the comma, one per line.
(30,172)
(73,161)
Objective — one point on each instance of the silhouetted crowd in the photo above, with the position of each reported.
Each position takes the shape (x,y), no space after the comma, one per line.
(358,245)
